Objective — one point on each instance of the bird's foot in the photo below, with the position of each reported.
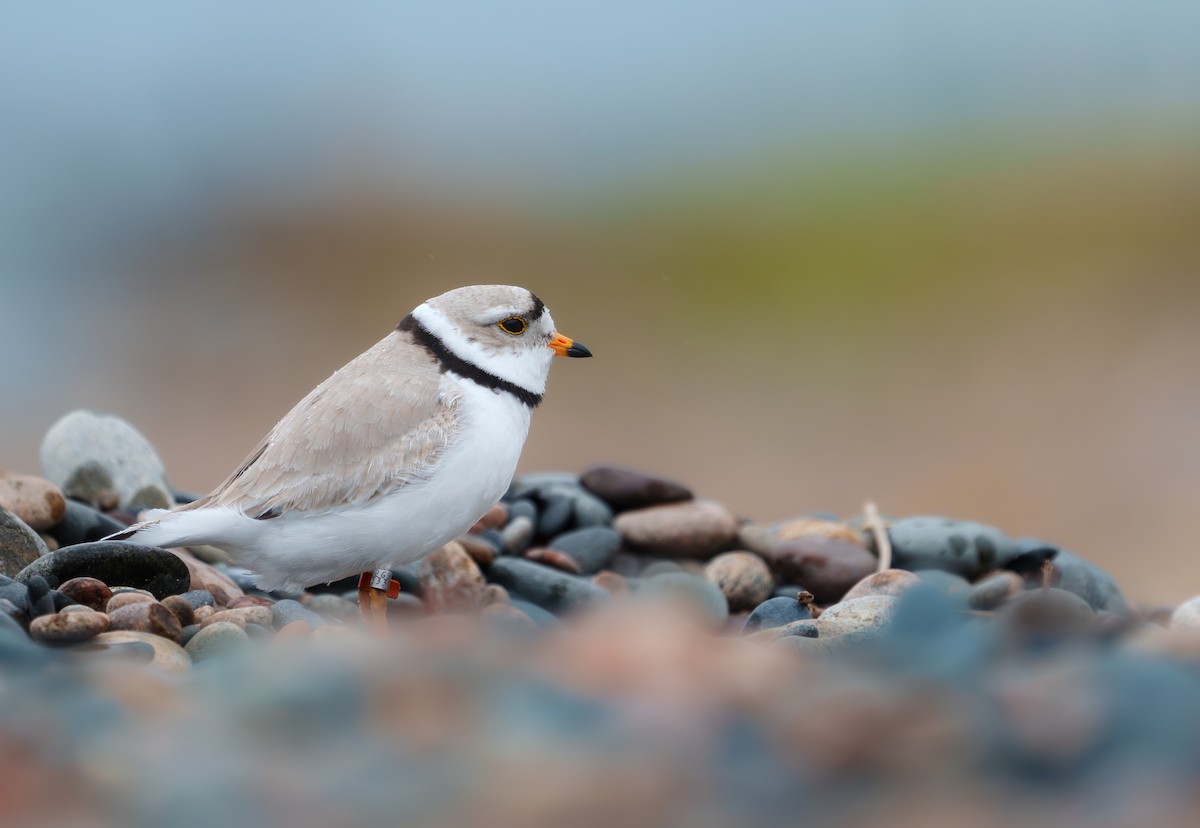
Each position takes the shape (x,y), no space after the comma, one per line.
(374,588)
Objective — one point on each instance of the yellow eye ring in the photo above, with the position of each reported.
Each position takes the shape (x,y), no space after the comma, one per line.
(513,325)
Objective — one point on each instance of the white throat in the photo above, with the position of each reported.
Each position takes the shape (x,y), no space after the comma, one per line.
(521,365)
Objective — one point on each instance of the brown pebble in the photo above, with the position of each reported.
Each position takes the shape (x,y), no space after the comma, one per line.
(91,592)
(294,630)
(495,594)
(554,558)
(888,582)
(743,577)
(480,551)
(250,601)
(805,527)
(825,566)
(241,616)
(36,501)
(494,518)
(202,613)
(451,580)
(611,582)
(124,599)
(68,627)
(147,617)
(50,541)
(182,609)
(691,529)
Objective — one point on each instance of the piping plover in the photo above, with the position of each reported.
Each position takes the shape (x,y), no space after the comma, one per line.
(396,454)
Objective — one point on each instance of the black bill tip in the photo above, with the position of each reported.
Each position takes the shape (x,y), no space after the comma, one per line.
(578,350)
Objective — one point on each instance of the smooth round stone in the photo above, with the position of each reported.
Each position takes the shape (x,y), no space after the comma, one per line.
(762,538)
(962,547)
(20,546)
(1088,581)
(334,606)
(555,515)
(167,655)
(990,593)
(493,518)
(241,616)
(547,588)
(1186,616)
(693,529)
(124,599)
(68,627)
(198,598)
(182,609)
(554,558)
(624,489)
(660,567)
(589,510)
(480,550)
(114,562)
(40,599)
(694,590)
(743,577)
(250,601)
(888,582)
(776,612)
(611,582)
(523,508)
(87,591)
(829,646)
(92,456)
(1046,612)
(39,503)
(592,548)
(538,484)
(257,632)
(517,535)
(215,640)
(496,594)
(827,566)
(288,610)
(451,581)
(147,617)
(872,612)
(83,524)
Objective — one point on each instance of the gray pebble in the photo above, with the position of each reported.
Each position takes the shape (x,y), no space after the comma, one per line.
(871,612)
(215,639)
(83,524)
(963,547)
(517,535)
(694,589)
(592,547)
(93,456)
(776,612)
(549,588)
(288,610)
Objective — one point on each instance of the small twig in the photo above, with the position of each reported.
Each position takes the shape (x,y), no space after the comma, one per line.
(883,544)
(807,598)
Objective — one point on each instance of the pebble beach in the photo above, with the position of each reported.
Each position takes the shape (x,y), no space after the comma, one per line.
(604,647)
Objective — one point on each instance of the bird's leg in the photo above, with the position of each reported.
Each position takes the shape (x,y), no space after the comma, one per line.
(374,588)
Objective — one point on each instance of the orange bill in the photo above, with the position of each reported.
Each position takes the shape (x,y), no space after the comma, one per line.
(565,346)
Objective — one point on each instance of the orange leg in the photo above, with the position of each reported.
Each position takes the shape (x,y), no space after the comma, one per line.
(374,589)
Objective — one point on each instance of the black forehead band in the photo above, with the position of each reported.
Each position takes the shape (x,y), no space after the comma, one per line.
(538,309)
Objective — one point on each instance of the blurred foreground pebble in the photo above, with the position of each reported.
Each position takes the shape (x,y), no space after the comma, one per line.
(600,650)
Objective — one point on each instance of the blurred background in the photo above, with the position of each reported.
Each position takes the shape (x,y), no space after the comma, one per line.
(936,254)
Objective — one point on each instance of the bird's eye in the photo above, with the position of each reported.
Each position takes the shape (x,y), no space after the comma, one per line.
(513,325)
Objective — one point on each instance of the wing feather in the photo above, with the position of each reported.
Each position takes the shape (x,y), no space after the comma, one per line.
(378,424)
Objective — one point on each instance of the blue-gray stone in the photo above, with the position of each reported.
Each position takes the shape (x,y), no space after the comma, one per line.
(590,510)
(776,612)
(523,507)
(947,583)
(555,515)
(702,592)
(592,548)
(288,610)
(116,563)
(541,617)
(963,547)
(1085,579)
(549,588)
(199,598)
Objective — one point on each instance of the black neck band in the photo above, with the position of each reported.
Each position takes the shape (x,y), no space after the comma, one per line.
(450,361)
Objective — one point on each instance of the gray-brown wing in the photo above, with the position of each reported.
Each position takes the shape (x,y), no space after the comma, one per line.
(380,423)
